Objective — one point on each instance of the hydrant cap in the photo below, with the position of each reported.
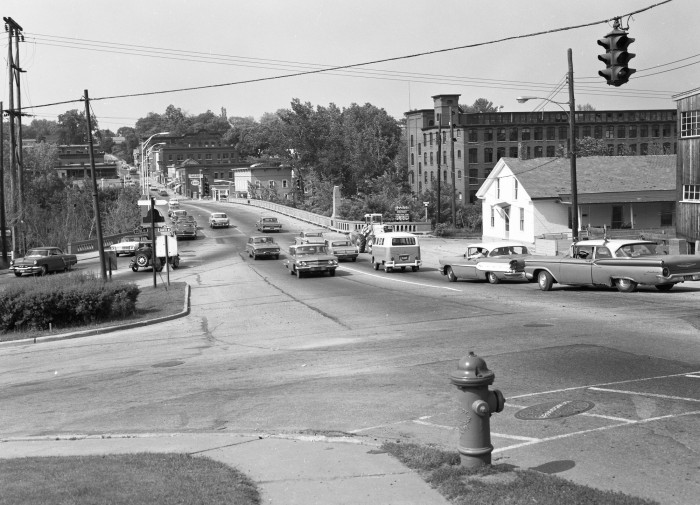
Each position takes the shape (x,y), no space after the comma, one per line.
(472,371)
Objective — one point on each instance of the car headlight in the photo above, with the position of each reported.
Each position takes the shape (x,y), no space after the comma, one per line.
(301,263)
(36,262)
(332,262)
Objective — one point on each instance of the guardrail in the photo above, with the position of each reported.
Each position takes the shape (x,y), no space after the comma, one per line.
(340,225)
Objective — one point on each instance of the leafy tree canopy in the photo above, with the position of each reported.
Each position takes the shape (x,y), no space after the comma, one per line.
(480,105)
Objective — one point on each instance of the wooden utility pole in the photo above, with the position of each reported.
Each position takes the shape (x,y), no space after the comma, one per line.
(3,224)
(95,194)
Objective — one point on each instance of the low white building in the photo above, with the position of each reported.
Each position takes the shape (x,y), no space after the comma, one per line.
(523,200)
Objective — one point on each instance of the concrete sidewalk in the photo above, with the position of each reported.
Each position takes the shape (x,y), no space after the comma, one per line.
(286,470)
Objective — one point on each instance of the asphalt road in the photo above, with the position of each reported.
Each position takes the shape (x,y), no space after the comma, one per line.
(369,354)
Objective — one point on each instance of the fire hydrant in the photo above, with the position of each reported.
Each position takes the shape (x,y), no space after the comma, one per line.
(477,403)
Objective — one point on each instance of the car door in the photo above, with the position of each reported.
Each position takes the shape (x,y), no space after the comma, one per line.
(465,268)
(577,269)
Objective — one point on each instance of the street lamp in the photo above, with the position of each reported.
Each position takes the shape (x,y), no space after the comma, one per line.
(143,157)
(572,142)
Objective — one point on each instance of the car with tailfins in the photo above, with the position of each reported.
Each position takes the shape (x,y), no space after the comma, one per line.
(342,247)
(620,263)
(486,261)
(219,220)
(268,223)
(304,259)
(261,246)
(185,229)
(128,245)
(310,237)
(43,260)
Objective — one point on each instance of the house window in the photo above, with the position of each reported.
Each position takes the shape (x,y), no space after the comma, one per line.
(425,158)
(208,156)
(257,184)
(689,123)
(498,188)
(473,155)
(180,157)
(691,192)
(610,132)
(413,161)
(488,155)
(515,189)
(473,176)
(538,152)
(431,138)
(285,183)
(513,134)
(550,152)
(432,176)
(216,175)
(412,178)
(522,219)
(525,134)
(425,138)
(488,135)
(473,137)
(493,218)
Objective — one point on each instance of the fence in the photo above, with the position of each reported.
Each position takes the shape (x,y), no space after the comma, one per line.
(340,225)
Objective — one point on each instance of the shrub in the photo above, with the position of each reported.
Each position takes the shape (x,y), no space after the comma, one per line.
(77,298)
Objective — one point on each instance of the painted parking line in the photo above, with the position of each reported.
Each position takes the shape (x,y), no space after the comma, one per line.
(641,393)
(383,277)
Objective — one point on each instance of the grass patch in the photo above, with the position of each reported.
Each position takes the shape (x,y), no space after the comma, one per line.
(156,479)
(498,484)
(151,303)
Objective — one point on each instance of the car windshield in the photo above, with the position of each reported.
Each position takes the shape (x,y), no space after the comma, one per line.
(270,219)
(219,216)
(341,243)
(263,240)
(313,234)
(637,250)
(37,252)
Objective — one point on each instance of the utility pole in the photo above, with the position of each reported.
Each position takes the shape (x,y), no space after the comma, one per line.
(452,159)
(16,175)
(3,224)
(95,195)
(572,150)
(439,168)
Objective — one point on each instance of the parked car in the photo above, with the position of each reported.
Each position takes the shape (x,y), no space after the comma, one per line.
(263,247)
(163,192)
(128,245)
(185,229)
(307,258)
(624,264)
(187,219)
(396,250)
(310,237)
(342,248)
(218,220)
(492,261)
(268,223)
(42,260)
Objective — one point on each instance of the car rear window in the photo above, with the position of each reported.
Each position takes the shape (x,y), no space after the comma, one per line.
(403,241)
(341,243)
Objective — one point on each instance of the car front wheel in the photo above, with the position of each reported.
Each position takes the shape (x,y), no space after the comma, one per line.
(142,260)
(451,275)
(492,278)
(626,285)
(545,280)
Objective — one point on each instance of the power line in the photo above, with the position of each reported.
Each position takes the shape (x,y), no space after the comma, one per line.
(355,65)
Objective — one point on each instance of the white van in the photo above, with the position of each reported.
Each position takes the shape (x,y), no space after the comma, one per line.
(396,250)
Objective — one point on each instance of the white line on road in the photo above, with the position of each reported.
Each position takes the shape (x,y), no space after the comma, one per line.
(641,393)
(399,280)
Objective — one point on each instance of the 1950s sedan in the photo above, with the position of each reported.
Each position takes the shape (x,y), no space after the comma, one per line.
(624,264)
(262,247)
(42,260)
(492,261)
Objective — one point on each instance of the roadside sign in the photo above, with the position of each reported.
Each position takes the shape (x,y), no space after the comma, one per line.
(195,176)
(147,203)
(194,182)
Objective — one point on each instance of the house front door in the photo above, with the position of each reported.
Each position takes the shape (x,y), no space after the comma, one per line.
(616,221)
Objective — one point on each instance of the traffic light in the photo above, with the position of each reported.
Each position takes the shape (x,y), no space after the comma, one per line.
(205,186)
(616,56)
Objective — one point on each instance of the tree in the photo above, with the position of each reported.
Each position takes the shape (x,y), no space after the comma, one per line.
(480,105)
(585,107)
(72,127)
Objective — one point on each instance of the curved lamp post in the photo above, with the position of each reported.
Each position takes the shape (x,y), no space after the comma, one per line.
(572,143)
(143,158)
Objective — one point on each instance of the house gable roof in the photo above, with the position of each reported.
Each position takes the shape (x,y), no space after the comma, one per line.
(551,177)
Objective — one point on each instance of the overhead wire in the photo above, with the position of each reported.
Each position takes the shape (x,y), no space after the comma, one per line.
(356,65)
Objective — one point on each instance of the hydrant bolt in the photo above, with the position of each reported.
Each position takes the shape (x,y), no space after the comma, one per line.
(481,407)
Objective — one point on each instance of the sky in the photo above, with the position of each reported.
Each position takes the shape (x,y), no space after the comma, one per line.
(132,47)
